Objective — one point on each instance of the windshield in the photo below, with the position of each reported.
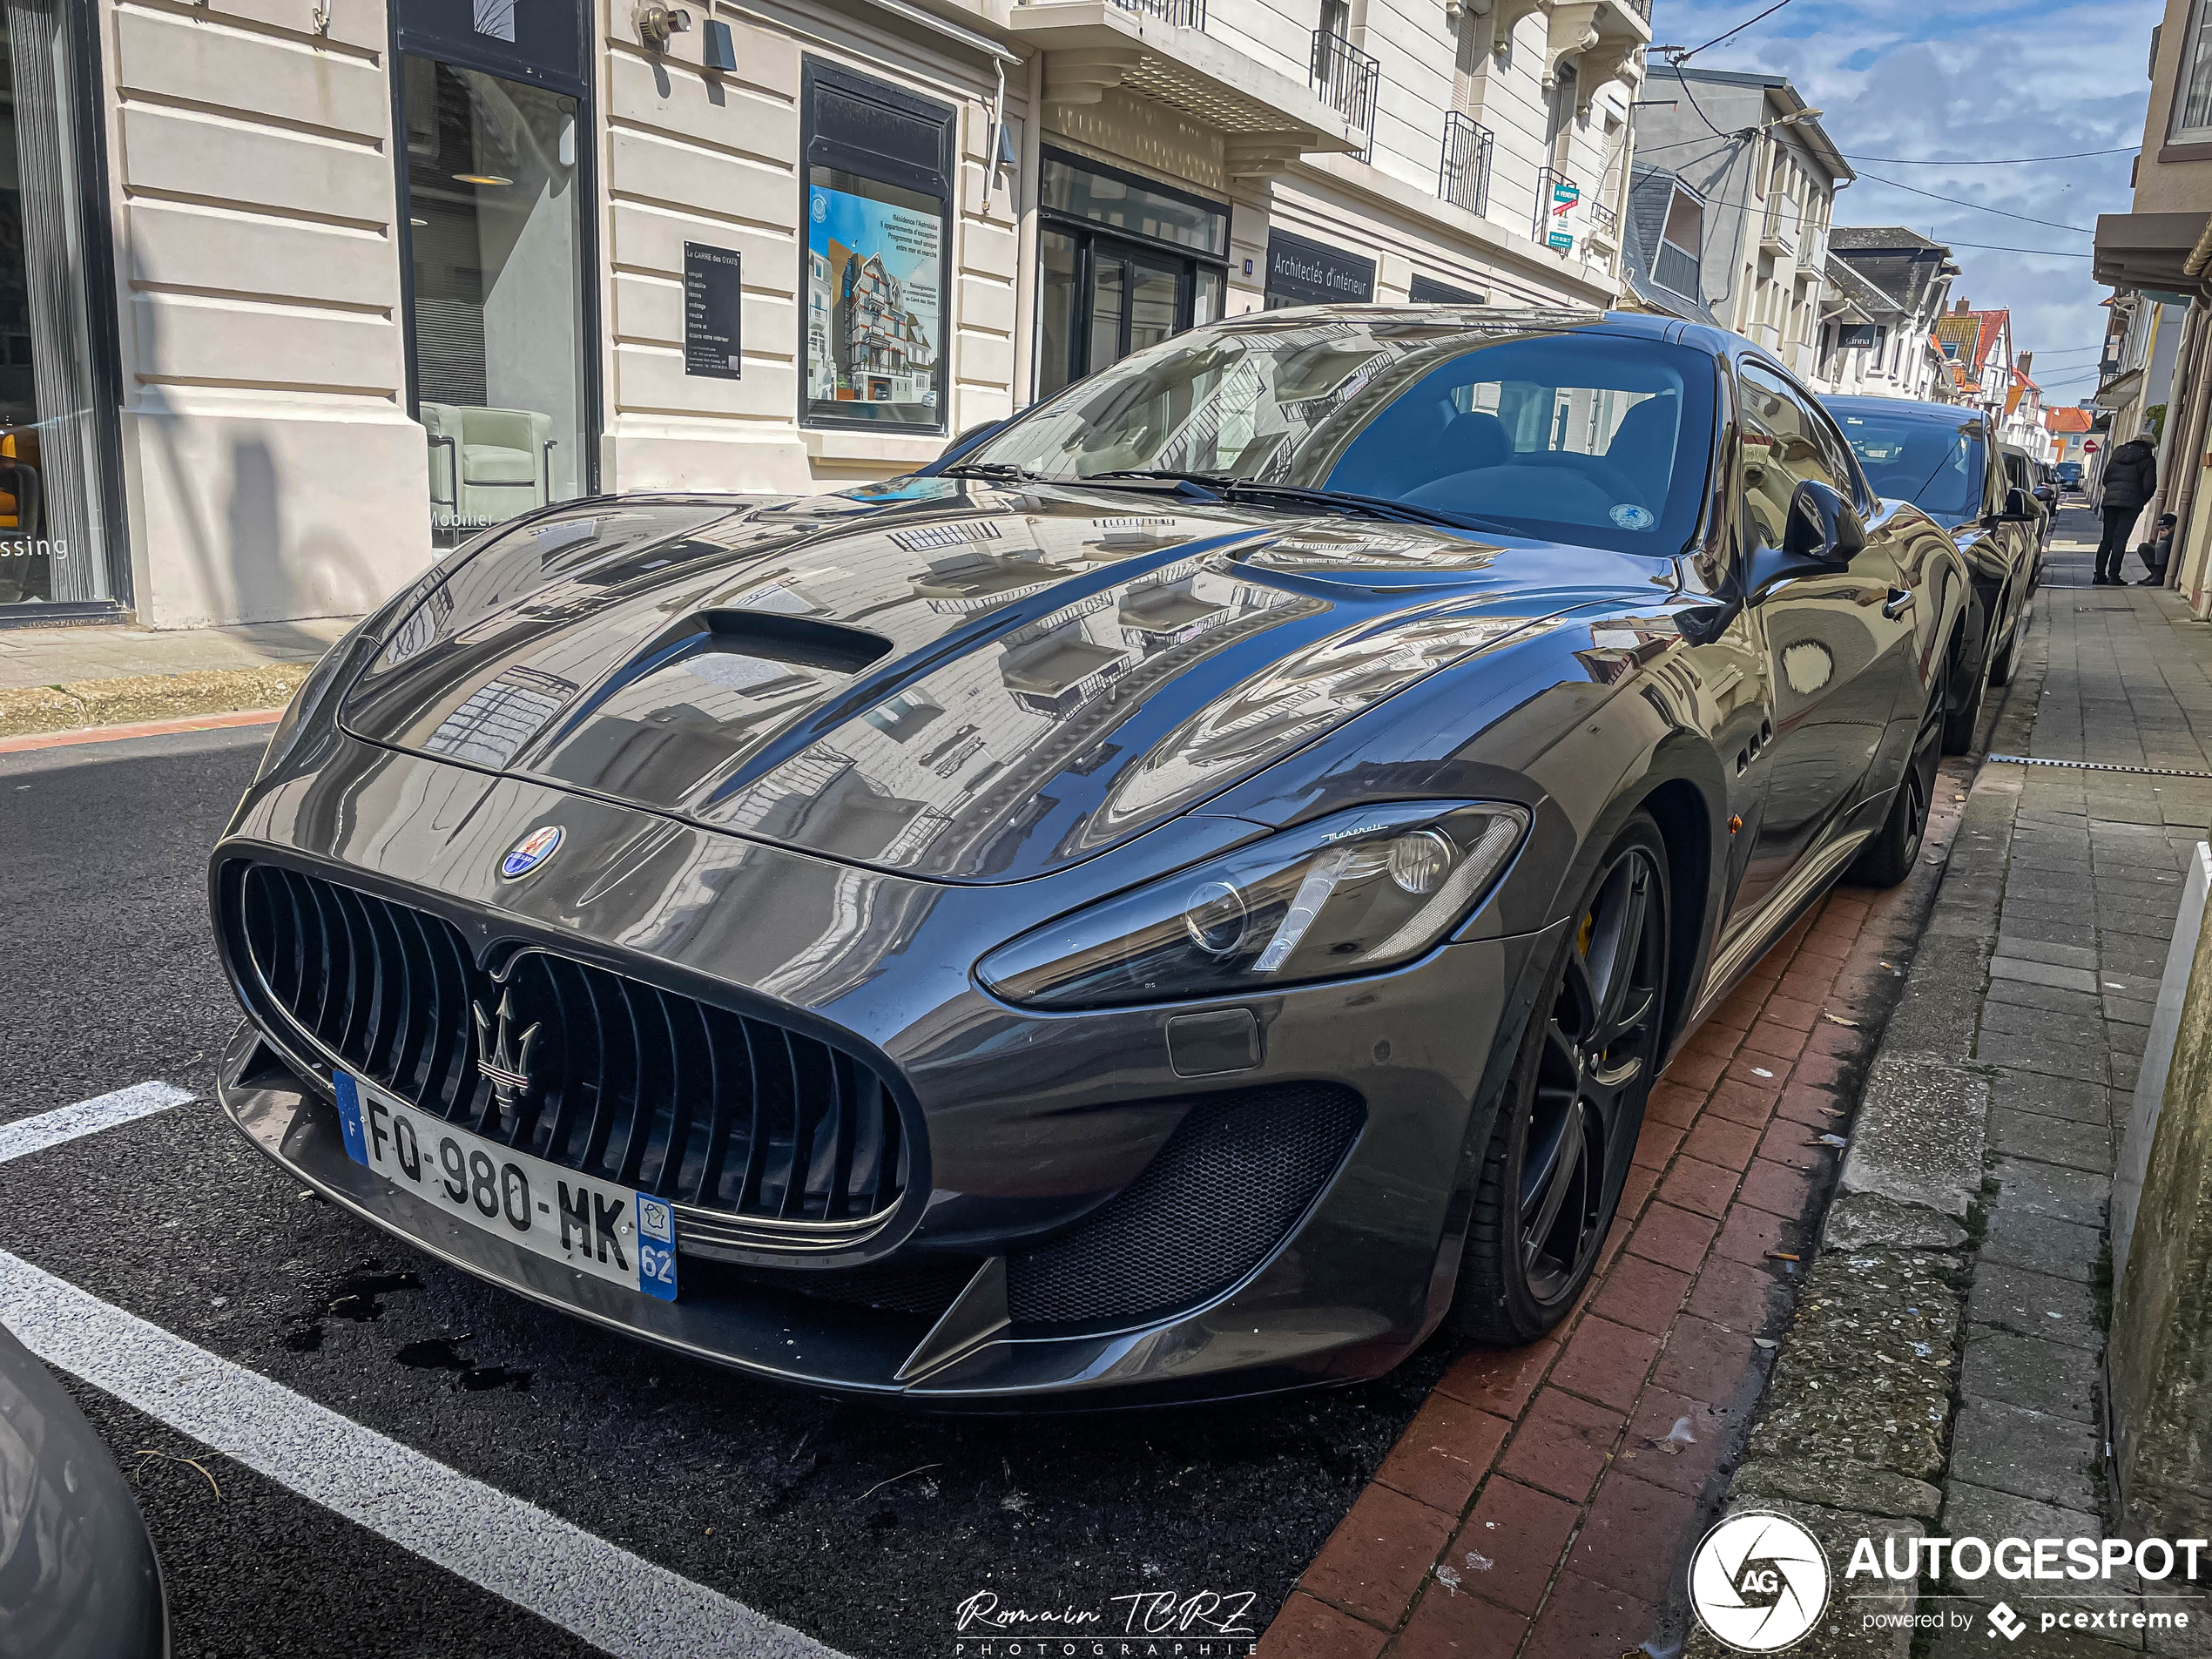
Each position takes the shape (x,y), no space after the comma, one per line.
(1935,464)
(1564,434)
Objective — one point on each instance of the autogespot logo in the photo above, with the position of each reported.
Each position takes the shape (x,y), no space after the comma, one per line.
(1758,1581)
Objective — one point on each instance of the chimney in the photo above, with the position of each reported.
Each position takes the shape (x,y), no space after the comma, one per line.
(2027,358)
(1958,310)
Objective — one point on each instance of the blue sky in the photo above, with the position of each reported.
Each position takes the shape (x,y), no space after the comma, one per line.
(1925,80)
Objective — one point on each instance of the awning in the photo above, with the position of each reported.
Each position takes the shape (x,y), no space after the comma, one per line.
(2142,251)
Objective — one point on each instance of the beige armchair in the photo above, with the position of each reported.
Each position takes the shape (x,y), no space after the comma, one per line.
(486,465)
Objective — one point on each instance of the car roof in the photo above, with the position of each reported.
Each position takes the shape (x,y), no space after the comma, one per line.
(1955,414)
(1640,323)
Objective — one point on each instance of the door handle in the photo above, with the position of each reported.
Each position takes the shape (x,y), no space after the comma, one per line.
(1897,604)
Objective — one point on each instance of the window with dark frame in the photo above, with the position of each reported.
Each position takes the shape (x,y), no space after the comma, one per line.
(1124,262)
(876,271)
(494,173)
(2191,121)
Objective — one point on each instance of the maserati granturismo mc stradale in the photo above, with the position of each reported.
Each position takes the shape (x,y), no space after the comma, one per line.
(1182,897)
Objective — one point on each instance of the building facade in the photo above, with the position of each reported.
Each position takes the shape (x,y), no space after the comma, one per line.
(2156,369)
(306,292)
(1889,286)
(1750,173)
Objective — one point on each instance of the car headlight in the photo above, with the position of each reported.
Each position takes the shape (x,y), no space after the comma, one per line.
(1347,895)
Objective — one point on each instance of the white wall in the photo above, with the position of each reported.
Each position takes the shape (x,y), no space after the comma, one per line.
(271,468)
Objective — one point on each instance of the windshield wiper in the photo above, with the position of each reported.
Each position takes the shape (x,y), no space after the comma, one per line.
(1349,501)
(1229,487)
(998,471)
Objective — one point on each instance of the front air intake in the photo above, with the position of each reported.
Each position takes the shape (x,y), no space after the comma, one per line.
(621,1080)
(1235,1178)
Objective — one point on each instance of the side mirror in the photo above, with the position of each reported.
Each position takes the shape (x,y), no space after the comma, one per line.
(1823,533)
(2020,507)
(1823,527)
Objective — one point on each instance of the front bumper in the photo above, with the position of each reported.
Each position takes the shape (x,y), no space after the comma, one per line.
(1034,1123)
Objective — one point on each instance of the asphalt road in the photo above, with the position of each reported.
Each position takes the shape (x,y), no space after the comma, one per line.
(860,1527)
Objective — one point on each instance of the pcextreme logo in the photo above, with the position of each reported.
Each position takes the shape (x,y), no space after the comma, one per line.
(1758,1581)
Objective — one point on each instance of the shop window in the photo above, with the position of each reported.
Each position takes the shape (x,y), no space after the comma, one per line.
(56,445)
(1123,263)
(497,229)
(878,263)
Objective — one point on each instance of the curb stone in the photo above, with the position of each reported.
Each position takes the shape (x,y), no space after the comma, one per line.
(1855,1428)
(78,704)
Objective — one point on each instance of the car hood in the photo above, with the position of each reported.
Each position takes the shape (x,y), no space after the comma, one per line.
(942,678)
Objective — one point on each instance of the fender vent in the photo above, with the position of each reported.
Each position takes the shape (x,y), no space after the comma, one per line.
(1237,1175)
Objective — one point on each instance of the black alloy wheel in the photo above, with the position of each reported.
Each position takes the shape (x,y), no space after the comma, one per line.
(1888,858)
(1966,682)
(1573,1106)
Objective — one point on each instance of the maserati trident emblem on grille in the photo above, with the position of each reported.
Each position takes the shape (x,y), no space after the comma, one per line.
(507,1072)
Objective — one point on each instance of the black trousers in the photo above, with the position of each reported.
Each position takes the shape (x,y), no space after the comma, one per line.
(2113,548)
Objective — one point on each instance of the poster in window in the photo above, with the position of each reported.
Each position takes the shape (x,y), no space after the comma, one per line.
(874,303)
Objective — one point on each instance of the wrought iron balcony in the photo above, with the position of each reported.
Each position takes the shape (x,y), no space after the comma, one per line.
(1641,8)
(1606,223)
(1347,77)
(1463,178)
(1191,14)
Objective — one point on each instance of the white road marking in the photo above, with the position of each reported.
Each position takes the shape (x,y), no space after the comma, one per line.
(28,1134)
(619,1602)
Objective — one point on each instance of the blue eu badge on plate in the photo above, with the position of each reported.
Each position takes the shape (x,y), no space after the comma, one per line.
(349,1116)
(656,1248)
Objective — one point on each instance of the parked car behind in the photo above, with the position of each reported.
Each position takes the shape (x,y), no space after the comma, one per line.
(2024,471)
(77,1575)
(2069,474)
(1184,901)
(1945,460)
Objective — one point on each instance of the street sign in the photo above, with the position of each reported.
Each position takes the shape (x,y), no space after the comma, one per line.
(2089,448)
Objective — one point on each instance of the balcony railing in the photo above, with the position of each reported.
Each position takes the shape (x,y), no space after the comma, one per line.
(1606,223)
(1346,76)
(1191,14)
(1641,8)
(1463,178)
(1547,220)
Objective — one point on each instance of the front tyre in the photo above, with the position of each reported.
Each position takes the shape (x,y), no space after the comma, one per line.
(1572,1105)
(1964,684)
(1888,858)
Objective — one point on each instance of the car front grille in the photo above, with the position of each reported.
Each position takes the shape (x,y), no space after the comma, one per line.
(624,1080)
(1235,1178)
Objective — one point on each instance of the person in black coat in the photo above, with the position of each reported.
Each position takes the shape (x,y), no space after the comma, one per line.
(2130,480)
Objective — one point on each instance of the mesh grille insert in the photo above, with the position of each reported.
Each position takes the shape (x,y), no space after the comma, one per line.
(1223,1192)
(622,1080)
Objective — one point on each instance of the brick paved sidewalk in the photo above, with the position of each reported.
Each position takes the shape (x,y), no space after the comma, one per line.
(1544,1500)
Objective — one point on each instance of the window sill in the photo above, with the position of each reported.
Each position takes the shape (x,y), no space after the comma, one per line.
(834,443)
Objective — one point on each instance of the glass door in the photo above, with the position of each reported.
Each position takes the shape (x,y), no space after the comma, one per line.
(496,293)
(1104,293)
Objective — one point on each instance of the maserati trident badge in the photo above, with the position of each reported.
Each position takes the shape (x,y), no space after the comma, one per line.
(508,1070)
(530,852)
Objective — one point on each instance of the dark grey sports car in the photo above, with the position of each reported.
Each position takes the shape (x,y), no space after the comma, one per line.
(1180,900)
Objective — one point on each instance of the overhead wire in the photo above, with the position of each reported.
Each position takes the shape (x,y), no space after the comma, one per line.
(1991,161)
(1957,201)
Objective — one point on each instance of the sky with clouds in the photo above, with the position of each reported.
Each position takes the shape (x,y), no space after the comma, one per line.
(1949,80)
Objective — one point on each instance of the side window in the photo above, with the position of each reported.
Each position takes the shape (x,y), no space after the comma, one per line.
(1785,443)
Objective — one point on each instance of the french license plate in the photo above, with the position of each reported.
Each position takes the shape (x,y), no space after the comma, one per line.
(611,1232)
